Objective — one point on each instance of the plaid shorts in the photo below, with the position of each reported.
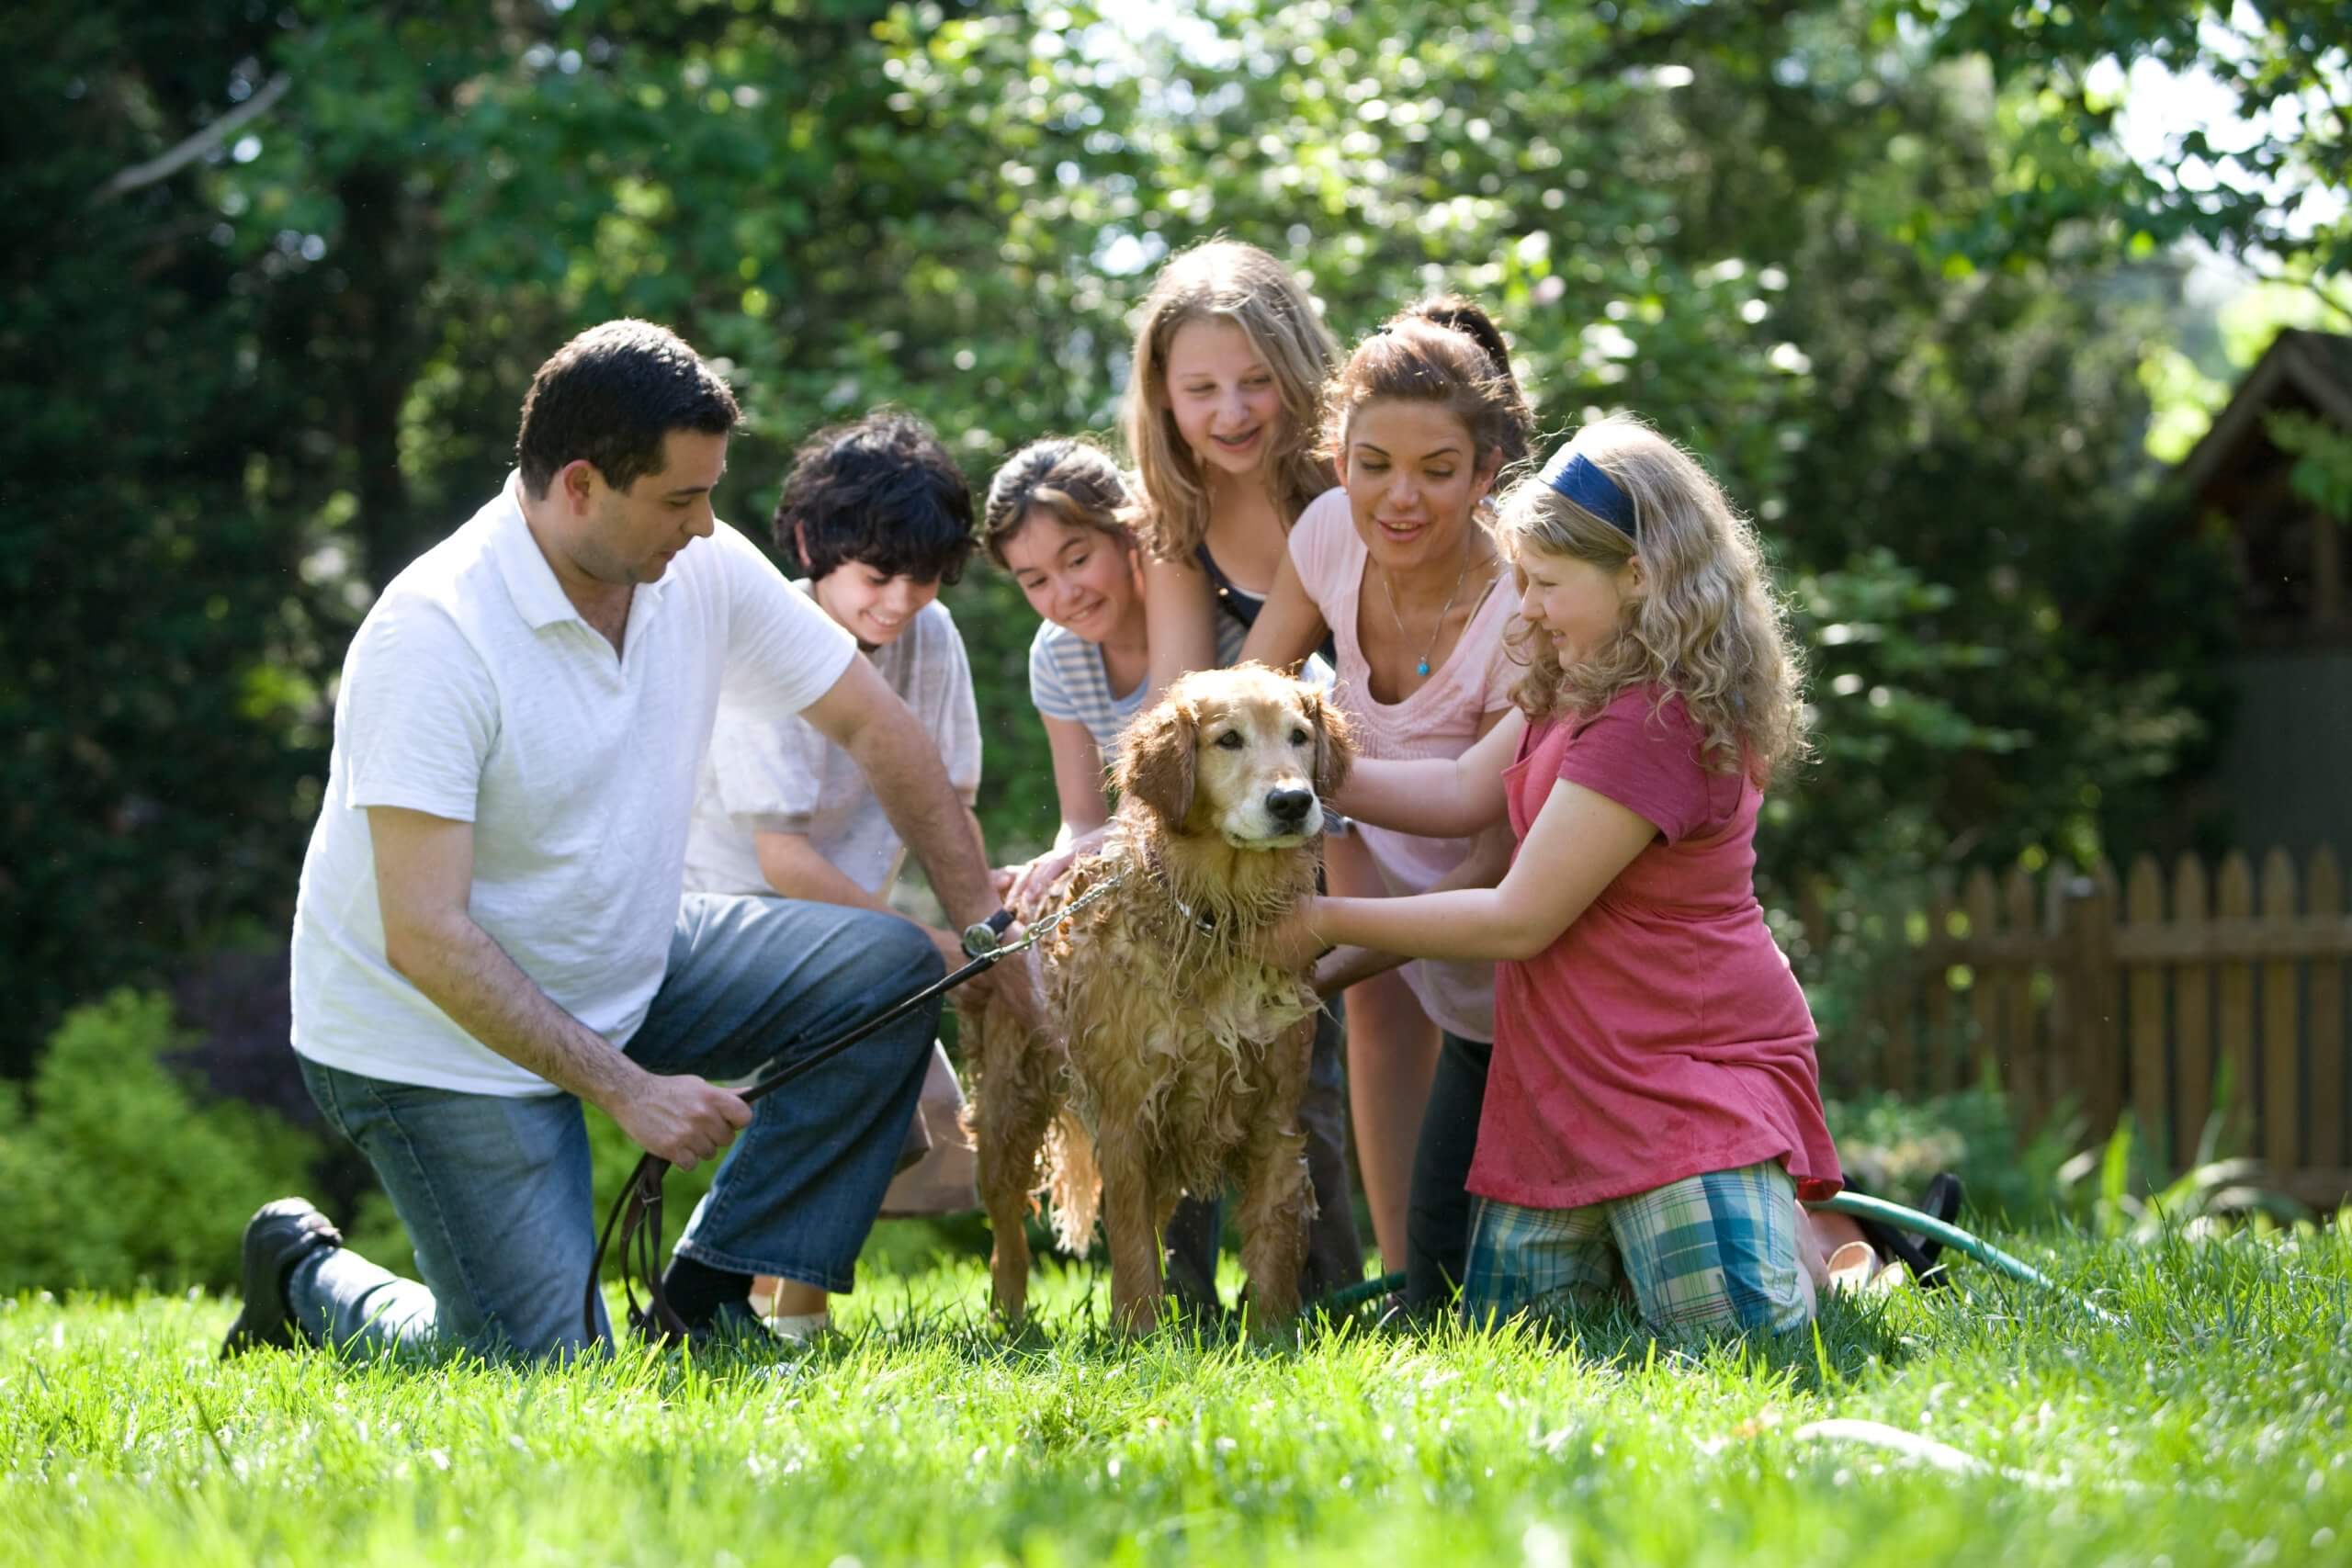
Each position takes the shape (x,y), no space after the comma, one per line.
(1712,1251)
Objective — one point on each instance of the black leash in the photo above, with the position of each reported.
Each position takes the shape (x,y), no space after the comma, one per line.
(636,1213)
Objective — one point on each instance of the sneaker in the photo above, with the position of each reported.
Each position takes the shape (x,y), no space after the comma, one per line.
(800,1328)
(279,1235)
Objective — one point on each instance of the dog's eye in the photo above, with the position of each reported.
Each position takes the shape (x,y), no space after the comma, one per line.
(1230,741)
(1298,738)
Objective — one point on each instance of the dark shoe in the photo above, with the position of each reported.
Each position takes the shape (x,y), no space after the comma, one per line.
(734,1326)
(279,1235)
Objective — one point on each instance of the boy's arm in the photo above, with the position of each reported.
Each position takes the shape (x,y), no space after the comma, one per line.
(796,869)
(864,717)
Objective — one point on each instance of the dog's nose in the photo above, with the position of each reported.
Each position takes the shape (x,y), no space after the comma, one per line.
(1289,805)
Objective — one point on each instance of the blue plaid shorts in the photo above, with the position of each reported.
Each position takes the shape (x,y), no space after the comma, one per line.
(1712,1251)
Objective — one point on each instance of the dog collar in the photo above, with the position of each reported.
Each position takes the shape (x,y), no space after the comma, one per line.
(1205,924)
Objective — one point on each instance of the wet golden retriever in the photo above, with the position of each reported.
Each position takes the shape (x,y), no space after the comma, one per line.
(1181,1055)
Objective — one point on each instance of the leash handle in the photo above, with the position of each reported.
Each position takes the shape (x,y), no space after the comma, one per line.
(636,1213)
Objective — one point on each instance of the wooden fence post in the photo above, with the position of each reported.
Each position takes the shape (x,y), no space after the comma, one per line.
(2144,905)
(2324,896)
(2282,1085)
(1981,905)
(2234,901)
(2193,1018)
(2026,1057)
(2087,918)
(1939,1044)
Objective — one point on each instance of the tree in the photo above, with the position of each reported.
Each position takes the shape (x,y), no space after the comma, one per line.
(1822,240)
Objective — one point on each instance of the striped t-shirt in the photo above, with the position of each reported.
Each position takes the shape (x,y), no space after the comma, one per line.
(1067,680)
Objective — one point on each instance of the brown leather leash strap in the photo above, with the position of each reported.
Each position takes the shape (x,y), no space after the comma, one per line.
(636,1213)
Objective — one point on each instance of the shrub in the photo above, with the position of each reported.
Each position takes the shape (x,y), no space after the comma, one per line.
(117,1175)
(1896,1145)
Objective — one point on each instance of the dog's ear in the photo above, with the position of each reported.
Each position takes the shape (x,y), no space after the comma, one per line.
(1335,745)
(1156,761)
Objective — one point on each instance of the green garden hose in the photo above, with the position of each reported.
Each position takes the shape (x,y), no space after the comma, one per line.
(1858,1205)
(1861,1205)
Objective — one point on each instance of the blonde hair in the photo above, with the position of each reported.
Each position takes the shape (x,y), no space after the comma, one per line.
(1706,627)
(1069,478)
(1224,281)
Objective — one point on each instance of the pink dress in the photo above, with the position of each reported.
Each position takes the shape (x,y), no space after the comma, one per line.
(1662,1035)
(1441,719)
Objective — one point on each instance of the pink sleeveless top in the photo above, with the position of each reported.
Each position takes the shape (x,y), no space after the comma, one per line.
(1441,719)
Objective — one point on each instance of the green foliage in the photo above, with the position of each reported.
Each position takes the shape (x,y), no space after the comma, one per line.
(1872,258)
(1895,1145)
(2323,469)
(2257,193)
(117,1175)
(2202,1425)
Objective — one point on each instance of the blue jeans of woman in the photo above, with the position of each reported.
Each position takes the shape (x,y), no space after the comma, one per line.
(496,1193)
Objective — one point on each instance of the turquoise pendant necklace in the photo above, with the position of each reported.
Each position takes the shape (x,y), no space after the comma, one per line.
(1437,631)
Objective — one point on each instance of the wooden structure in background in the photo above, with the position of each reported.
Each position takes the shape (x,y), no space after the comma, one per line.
(2141,996)
(2286,742)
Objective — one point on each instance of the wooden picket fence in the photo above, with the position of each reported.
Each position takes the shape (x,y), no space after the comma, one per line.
(2146,997)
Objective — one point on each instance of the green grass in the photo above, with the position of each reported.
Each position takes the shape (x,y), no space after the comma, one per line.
(2207,1425)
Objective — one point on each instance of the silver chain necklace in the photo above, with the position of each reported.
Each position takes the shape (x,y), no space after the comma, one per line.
(1388,590)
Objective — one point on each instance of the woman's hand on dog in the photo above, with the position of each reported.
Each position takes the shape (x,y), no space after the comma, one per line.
(1344,966)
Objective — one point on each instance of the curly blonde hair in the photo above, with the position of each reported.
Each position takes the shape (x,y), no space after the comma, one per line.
(1707,627)
(1226,281)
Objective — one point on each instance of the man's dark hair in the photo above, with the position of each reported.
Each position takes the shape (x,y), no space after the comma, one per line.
(882,492)
(612,395)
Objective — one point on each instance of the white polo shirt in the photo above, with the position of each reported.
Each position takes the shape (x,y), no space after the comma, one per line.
(475,691)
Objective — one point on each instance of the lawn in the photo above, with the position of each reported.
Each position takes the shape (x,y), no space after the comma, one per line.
(2205,1423)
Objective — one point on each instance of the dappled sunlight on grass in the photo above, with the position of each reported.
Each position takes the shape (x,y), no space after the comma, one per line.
(2205,1418)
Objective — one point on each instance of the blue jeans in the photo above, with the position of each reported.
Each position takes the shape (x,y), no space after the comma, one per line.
(495,1191)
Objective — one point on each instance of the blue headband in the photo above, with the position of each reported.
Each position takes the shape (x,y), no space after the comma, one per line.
(1581,479)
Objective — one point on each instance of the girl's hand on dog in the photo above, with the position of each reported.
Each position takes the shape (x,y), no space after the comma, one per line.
(1031,882)
(1291,942)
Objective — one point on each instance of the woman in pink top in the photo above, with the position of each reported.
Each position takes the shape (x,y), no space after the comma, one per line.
(1654,1111)
(1396,569)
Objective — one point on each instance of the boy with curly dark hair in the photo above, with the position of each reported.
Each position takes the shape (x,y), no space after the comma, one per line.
(879,518)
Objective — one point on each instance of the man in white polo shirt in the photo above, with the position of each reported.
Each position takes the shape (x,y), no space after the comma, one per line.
(491,929)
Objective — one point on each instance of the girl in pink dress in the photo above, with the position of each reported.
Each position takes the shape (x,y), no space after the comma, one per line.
(1654,1111)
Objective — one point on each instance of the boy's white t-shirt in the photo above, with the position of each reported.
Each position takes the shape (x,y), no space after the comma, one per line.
(474,691)
(771,773)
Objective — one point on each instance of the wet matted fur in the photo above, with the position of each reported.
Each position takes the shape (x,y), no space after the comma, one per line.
(1181,1057)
